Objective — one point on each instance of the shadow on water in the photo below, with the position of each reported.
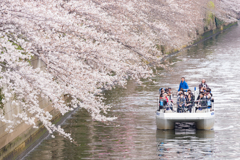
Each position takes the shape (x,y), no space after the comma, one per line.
(181,133)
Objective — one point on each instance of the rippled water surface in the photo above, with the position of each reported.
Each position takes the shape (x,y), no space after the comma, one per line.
(134,135)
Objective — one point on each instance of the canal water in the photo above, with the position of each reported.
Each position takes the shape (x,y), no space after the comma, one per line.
(134,135)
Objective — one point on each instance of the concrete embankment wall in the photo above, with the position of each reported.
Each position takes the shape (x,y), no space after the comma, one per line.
(24,136)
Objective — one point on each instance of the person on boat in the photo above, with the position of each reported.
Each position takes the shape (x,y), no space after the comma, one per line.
(205,95)
(181,101)
(170,105)
(203,86)
(189,92)
(163,100)
(211,95)
(208,90)
(167,103)
(169,93)
(162,91)
(166,90)
(200,96)
(209,101)
(161,103)
(201,92)
(179,93)
(202,102)
(189,102)
(183,84)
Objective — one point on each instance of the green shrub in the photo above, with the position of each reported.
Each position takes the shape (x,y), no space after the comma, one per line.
(1,98)
(211,5)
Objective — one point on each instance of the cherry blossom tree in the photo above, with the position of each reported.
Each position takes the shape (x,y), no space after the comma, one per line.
(79,60)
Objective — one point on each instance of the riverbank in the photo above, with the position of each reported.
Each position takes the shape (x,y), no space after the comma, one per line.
(203,37)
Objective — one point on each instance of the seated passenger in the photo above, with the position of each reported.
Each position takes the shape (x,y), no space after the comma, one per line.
(202,102)
(189,102)
(189,92)
(163,100)
(185,93)
(199,95)
(203,86)
(179,93)
(209,101)
(169,103)
(209,91)
(169,93)
(205,95)
(162,92)
(160,103)
(181,103)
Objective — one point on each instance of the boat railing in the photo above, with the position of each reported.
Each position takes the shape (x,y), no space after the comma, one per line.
(206,105)
(202,105)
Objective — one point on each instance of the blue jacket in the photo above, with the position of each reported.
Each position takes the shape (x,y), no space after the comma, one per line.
(183,85)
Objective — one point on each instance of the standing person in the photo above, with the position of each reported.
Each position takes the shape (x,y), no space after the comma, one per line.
(203,86)
(183,84)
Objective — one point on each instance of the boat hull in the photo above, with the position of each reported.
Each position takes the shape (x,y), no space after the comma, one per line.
(202,120)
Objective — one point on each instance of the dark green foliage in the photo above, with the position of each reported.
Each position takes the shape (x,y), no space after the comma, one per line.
(1,98)
(218,22)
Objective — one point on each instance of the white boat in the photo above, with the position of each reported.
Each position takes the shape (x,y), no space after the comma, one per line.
(203,119)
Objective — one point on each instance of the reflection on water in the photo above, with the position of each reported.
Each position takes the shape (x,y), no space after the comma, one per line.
(134,135)
(181,144)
